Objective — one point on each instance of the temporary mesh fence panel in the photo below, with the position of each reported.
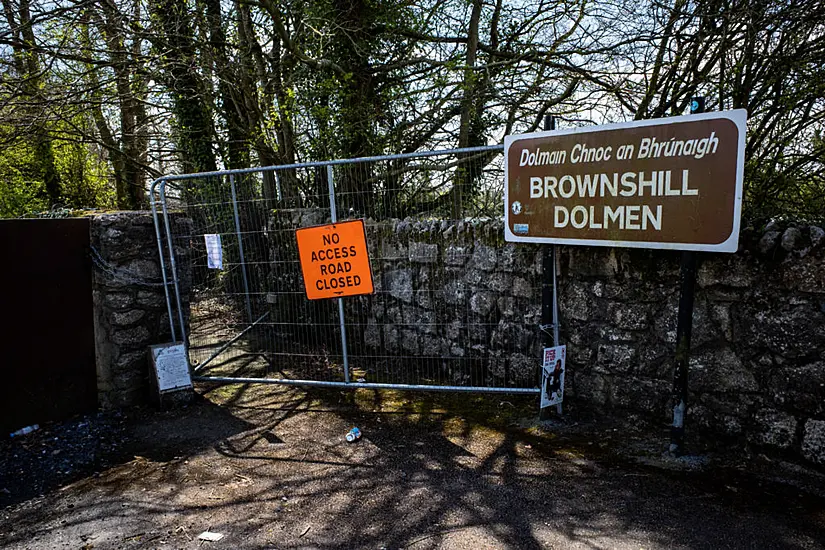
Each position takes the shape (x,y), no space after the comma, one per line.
(250,317)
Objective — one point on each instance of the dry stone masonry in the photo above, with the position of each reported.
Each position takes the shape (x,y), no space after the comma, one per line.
(456,290)
(757,368)
(453,290)
(129,302)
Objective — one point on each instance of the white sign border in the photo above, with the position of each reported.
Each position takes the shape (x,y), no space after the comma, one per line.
(737,116)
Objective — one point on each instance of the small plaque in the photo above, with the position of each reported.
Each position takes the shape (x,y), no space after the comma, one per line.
(171,367)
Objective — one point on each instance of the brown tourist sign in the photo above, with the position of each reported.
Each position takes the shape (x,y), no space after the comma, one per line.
(670,183)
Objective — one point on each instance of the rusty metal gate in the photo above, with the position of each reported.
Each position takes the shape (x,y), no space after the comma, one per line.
(237,298)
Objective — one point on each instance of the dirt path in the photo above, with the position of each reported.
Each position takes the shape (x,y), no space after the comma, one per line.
(268,468)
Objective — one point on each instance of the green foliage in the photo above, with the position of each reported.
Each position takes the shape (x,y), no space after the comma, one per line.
(20,192)
(351,108)
(84,175)
(771,191)
(196,85)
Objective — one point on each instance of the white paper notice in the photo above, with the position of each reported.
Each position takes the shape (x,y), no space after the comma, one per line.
(171,367)
(214,252)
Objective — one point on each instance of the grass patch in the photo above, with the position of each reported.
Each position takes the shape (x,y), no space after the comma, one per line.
(477,410)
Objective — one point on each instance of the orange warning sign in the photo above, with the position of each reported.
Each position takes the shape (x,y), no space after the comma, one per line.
(334,260)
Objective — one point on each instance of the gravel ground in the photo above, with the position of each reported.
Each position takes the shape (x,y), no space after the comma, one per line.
(269,468)
(59,453)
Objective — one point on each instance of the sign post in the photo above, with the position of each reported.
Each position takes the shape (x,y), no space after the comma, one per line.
(672,183)
(549,303)
(684,327)
(335,262)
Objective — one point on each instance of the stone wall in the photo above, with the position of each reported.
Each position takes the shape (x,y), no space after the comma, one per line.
(130,310)
(453,291)
(757,368)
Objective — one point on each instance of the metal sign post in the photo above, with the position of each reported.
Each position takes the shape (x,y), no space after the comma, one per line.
(549,296)
(684,327)
(673,184)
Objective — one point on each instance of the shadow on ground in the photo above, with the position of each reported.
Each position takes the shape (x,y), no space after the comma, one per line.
(268,467)
(63,452)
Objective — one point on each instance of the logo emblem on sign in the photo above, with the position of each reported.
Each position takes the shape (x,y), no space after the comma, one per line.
(516,206)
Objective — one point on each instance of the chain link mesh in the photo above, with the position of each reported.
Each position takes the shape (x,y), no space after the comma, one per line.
(407,332)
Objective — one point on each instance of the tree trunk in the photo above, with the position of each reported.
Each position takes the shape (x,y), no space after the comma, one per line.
(238,150)
(470,115)
(360,105)
(174,37)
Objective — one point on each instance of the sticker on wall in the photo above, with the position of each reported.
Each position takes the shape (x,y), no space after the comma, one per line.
(214,252)
(552,376)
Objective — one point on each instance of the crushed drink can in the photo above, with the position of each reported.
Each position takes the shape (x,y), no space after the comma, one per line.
(353,435)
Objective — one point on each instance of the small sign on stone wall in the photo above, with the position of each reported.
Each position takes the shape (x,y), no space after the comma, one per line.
(171,367)
(552,376)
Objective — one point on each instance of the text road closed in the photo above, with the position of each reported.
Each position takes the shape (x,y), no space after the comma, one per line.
(334,260)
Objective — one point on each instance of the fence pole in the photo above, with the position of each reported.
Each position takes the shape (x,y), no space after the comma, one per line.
(334,216)
(172,262)
(555,259)
(154,205)
(240,247)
